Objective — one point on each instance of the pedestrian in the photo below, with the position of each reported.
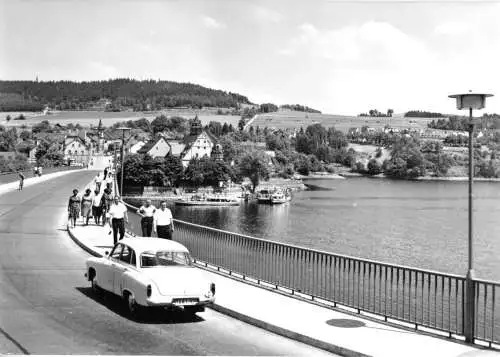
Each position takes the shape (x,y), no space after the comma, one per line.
(105,173)
(97,207)
(87,200)
(21,180)
(106,201)
(163,223)
(118,214)
(147,211)
(73,208)
(98,181)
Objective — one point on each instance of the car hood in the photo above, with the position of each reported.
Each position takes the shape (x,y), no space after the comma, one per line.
(178,280)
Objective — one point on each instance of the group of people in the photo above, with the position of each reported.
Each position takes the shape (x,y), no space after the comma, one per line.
(37,171)
(159,221)
(94,203)
(109,209)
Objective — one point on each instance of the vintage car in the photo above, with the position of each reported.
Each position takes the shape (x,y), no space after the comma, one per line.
(148,272)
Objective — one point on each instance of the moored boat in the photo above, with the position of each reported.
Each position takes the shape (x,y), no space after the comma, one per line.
(281,196)
(215,200)
(264,196)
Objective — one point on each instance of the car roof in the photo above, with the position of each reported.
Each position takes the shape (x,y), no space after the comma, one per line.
(143,244)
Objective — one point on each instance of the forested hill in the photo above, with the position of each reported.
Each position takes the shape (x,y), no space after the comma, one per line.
(116,94)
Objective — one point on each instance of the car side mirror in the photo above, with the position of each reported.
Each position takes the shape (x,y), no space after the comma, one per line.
(106,253)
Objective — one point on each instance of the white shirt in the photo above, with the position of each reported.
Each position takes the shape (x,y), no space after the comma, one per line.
(147,211)
(163,218)
(117,210)
(97,200)
(98,179)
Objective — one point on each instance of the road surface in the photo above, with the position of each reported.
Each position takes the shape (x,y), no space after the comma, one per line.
(47,307)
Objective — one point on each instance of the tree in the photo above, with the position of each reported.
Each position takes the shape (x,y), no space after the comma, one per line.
(241,124)
(173,169)
(390,112)
(374,168)
(159,124)
(8,118)
(254,165)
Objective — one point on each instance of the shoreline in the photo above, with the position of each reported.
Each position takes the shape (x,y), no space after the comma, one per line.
(424,178)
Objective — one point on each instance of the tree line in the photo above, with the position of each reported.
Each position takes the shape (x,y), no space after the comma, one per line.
(123,93)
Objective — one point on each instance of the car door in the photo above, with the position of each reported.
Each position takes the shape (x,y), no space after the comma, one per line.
(107,272)
(121,267)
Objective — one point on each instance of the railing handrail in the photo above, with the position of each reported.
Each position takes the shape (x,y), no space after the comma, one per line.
(364,260)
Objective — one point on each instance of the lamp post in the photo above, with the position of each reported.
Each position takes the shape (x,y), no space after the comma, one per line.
(123,129)
(470,101)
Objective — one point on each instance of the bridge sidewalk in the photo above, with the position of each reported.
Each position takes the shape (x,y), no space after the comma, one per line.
(337,332)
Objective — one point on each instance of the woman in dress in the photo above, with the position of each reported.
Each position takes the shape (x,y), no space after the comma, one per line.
(87,206)
(74,207)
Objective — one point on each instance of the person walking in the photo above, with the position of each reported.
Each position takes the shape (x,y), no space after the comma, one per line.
(106,201)
(147,211)
(163,222)
(87,200)
(105,173)
(21,181)
(73,208)
(98,181)
(97,207)
(118,214)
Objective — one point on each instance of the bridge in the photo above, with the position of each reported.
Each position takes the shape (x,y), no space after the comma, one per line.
(344,305)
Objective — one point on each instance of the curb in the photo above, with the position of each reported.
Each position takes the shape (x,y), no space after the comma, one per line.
(83,246)
(287,333)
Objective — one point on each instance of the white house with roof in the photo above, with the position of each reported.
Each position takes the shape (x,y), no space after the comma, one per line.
(199,143)
(157,147)
(76,149)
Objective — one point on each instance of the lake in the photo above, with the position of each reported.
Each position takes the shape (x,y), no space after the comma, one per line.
(419,224)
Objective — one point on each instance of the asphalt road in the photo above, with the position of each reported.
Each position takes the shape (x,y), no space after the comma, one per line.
(47,307)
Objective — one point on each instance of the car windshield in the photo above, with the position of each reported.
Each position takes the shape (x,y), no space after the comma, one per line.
(165,258)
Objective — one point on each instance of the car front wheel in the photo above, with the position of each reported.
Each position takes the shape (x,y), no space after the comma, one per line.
(134,309)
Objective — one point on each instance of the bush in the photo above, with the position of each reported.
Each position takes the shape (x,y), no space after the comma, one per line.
(374,168)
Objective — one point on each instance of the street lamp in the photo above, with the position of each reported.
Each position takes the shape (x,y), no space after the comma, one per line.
(470,101)
(123,129)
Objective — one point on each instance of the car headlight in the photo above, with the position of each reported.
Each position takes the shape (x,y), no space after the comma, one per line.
(211,291)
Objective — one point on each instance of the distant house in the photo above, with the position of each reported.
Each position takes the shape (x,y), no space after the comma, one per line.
(136,147)
(157,147)
(8,155)
(199,143)
(176,147)
(76,149)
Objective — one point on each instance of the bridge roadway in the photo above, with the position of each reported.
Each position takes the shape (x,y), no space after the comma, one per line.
(46,306)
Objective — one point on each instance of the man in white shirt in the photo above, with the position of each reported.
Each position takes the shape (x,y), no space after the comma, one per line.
(98,181)
(147,211)
(97,207)
(118,213)
(163,222)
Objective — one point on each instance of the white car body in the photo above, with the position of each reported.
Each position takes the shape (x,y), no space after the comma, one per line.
(181,285)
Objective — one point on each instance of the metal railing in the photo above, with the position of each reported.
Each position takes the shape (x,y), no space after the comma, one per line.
(422,298)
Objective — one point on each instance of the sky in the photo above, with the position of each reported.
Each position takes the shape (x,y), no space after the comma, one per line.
(338,56)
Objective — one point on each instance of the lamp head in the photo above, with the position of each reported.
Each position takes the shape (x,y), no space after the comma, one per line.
(470,100)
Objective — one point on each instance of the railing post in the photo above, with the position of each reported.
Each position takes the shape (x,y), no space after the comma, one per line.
(470,307)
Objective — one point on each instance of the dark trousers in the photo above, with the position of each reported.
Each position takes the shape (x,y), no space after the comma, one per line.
(164,232)
(98,186)
(118,225)
(147,226)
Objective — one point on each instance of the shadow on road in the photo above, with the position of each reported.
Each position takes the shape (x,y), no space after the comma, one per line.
(153,315)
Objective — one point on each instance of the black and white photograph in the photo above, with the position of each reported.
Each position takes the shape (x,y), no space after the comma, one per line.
(250,178)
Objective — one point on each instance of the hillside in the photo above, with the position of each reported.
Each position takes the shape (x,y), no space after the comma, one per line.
(112,95)
(295,119)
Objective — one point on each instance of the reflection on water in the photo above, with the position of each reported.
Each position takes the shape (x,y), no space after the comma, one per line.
(420,224)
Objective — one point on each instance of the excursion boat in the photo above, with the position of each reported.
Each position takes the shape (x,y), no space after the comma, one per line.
(210,200)
(280,197)
(264,196)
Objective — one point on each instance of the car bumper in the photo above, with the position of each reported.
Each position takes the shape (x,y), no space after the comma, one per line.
(159,302)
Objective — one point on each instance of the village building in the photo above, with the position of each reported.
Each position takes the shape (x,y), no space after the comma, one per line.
(199,143)
(76,149)
(157,147)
